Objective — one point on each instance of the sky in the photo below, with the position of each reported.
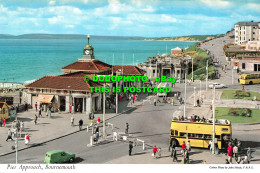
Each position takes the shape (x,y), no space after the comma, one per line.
(148,18)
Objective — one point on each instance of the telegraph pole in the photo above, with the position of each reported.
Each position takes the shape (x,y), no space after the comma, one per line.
(116,94)
(213,131)
(16,150)
(185,98)
(192,70)
(194,103)
(104,112)
(207,80)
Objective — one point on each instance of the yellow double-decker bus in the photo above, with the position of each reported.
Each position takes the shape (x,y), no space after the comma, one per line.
(250,78)
(200,133)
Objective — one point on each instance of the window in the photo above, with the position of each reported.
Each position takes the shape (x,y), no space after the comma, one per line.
(243,65)
(62,154)
(224,129)
(172,132)
(176,132)
(253,32)
(183,134)
(255,67)
(207,137)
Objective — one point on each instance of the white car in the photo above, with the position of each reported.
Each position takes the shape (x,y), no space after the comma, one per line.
(217,85)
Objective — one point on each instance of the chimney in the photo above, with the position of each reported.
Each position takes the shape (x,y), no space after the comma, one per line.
(252,21)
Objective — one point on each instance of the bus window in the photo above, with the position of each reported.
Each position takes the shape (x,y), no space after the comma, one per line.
(172,132)
(176,132)
(183,134)
(217,136)
(224,129)
(207,136)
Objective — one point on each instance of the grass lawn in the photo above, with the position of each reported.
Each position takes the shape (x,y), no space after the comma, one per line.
(230,94)
(224,113)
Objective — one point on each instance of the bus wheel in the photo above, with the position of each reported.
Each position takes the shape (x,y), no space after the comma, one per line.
(250,83)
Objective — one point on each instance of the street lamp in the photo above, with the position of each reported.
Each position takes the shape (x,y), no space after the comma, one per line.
(116,91)
(213,131)
(194,96)
(185,97)
(200,89)
(104,112)
(207,80)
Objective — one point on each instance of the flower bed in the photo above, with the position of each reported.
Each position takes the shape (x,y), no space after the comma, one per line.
(240,93)
(240,112)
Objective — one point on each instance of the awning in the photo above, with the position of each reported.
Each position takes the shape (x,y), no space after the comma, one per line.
(46,98)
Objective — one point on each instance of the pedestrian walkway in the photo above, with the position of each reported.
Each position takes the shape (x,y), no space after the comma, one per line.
(55,127)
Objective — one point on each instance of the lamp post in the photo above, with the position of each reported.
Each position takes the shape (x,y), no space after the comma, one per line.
(104,112)
(192,70)
(185,98)
(213,131)
(207,80)
(200,89)
(194,104)
(116,91)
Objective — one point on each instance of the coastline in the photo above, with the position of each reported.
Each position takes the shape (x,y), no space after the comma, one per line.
(175,40)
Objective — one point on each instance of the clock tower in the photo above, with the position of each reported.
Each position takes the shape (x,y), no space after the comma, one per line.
(88,51)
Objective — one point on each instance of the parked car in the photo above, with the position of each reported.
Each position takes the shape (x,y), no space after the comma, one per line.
(59,156)
(217,85)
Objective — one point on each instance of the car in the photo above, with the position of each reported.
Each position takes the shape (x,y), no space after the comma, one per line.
(217,85)
(59,156)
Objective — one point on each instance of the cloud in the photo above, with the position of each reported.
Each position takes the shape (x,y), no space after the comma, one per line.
(69,26)
(52,2)
(216,3)
(253,6)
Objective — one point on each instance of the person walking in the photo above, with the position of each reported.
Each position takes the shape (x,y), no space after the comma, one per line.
(96,137)
(80,124)
(249,154)
(40,112)
(235,151)
(9,135)
(188,146)
(4,122)
(36,106)
(154,151)
(1,121)
(27,139)
(22,126)
(230,153)
(72,120)
(35,119)
(98,120)
(187,157)
(183,147)
(154,101)
(159,152)
(126,128)
(130,148)
(174,155)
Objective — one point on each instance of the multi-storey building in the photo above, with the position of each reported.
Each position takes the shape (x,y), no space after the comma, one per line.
(247,31)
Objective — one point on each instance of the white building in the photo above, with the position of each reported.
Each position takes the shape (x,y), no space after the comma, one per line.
(247,31)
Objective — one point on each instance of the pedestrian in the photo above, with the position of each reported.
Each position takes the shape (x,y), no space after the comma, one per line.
(210,107)
(9,135)
(188,146)
(238,159)
(230,153)
(40,112)
(98,120)
(235,151)
(183,147)
(130,148)
(96,137)
(187,156)
(154,151)
(36,106)
(175,155)
(49,113)
(72,120)
(154,101)
(97,129)
(227,162)
(35,119)
(1,121)
(249,154)
(198,102)
(26,139)
(80,124)
(4,122)
(22,126)
(126,128)
(159,152)
(172,102)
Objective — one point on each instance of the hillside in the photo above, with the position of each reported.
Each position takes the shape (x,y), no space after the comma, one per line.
(195,38)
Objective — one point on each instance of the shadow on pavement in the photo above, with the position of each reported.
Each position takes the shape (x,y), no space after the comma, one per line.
(37,144)
(195,161)
(153,135)
(139,153)
(78,160)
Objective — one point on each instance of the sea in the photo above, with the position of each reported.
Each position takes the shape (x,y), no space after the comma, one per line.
(25,60)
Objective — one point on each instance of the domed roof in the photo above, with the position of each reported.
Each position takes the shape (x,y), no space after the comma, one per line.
(88,46)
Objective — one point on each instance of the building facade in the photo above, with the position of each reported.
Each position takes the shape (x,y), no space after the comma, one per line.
(247,31)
